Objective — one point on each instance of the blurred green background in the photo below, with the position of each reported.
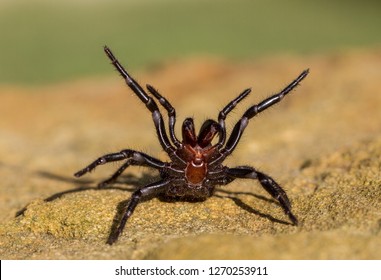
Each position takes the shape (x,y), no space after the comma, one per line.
(53,41)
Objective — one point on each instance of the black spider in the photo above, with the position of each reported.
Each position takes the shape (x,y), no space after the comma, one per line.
(196,165)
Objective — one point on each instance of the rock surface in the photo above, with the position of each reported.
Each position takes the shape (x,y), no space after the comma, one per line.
(322,144)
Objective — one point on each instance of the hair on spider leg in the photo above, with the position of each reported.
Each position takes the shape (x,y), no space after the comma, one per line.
(195,166)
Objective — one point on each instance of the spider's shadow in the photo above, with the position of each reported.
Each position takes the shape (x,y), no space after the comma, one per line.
(248,208)
(84,185)
(146,178)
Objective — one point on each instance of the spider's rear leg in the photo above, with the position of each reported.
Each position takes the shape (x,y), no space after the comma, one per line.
(268,184)
(115,176)
(134,158)
(151,189)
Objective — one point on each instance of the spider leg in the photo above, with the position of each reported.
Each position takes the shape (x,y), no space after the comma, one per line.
(253,111)
(135,158)
(171,114)
(120,170)
(268,184)
(224,112)
(150,189)
(147,100)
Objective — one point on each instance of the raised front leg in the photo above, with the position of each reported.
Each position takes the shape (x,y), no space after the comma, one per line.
(147,100)
(268,184)
(253,111)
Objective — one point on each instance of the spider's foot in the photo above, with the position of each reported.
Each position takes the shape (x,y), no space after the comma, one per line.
(293,219)
(113,237)
(81,172)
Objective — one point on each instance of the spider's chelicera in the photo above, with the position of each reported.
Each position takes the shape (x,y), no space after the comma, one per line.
(196,165)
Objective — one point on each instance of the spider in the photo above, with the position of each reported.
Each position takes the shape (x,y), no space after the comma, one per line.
(196,165)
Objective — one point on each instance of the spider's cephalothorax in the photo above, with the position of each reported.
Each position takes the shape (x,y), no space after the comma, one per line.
(195,166)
